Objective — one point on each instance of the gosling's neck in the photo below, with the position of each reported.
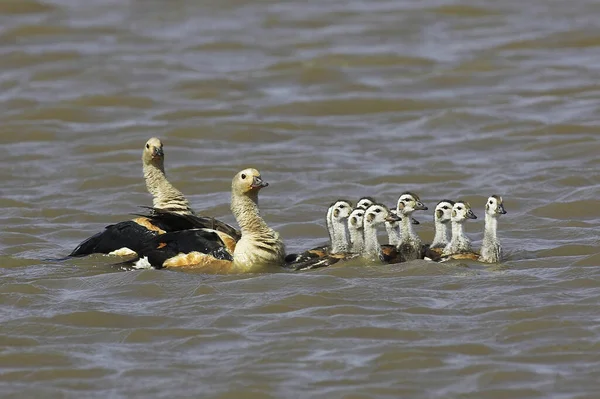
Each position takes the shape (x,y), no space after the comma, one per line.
(410,243)
(490,229)
(491,250)
(459,242)
(440,239)
(372,248)
(393,232)
(165,196)
(340,237)
(330,229)
(408,235)
(357,240)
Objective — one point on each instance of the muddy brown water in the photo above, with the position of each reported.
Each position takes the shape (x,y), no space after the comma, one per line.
(329,99)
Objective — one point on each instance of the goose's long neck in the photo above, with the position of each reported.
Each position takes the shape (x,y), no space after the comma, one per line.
(245,210)
(491,250)
(330,229)
(340,237)
(408,234)
(459,242)
(490,230)
(393,231)
(372,248)
(165,196)
(260,245)
(458,231)
(357,240)
(440,239)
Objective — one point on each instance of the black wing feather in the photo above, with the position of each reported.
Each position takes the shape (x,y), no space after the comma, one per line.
(168,245)
(115,236)
(172,221)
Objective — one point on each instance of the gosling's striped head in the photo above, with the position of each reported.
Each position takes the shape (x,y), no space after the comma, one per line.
(340,210)
(461,211)
(247,181)
(365,202)
(443,211)
(494,206)
(408,203)
(355,220)
(378,214)
(153,152)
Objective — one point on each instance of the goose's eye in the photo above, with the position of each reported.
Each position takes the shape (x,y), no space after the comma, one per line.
(148,146)
(342,206)
(491,202)
(378,210)
(445,207)
(243,176)
(459,208)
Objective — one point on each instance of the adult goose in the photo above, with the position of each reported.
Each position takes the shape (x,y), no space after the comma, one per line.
(117,239)
(259,247)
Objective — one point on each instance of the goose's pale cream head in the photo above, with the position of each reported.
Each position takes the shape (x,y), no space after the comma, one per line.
(378,214)
(461,211)
(494,206)
(355,220)
(153,152)
(443,211)
(341,209)
(247,181)
(408,203)
(365,202)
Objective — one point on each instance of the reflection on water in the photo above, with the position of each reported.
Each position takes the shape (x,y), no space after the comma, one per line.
(329,100)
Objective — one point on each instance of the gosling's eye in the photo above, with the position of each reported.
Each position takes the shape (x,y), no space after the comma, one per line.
(378,210)
(243,176)
(360,214)
(147,145)
(445,207)
(342,206)
(491,202)
(459,208)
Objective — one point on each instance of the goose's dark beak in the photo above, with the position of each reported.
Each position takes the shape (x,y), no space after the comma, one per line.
(419,206)
(258,182)
(501,209)
(392,217)
(415,221)
(471,215)
(158,152)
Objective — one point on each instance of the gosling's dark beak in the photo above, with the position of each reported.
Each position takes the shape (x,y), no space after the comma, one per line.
(471,215)
(419,206)
(158,152)
(501,209)
(415,221)
(392,217)
(258,182)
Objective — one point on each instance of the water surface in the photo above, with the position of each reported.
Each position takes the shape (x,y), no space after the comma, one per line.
(335,99)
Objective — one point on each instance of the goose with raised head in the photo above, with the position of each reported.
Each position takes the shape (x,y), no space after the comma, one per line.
(441,220)
(340,242)
(322,250)
(410,246)
(356,230)
(164,195)
(491,250)
(375,216)
(459,243)
(117,239)
(258,248)
(337,214)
